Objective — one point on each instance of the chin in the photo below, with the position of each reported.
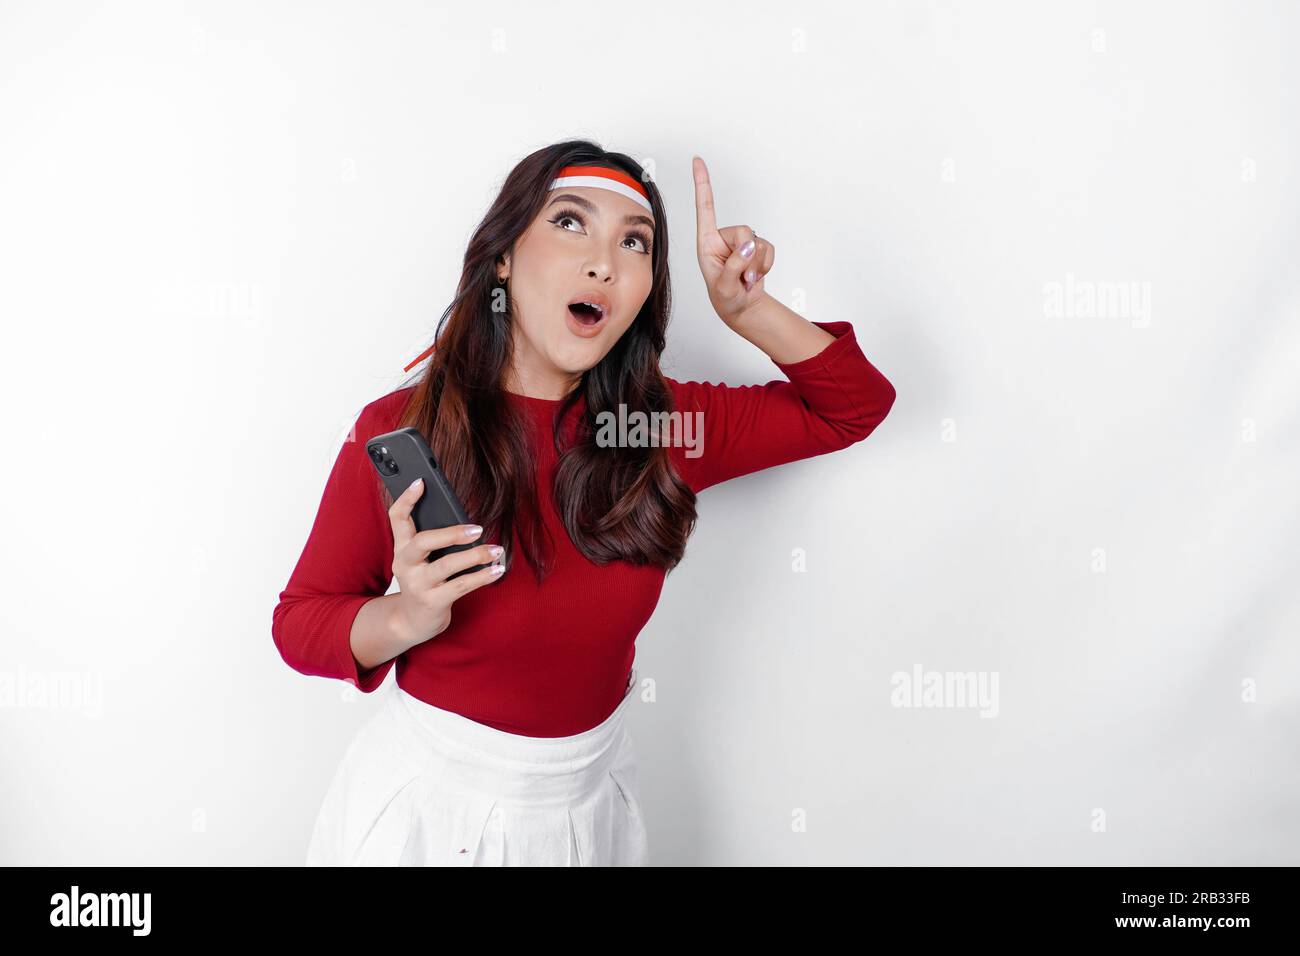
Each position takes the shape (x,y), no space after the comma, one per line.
(577,356)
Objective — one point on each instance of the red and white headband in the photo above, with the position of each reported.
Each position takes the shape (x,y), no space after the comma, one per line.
(597,177)
(603,177)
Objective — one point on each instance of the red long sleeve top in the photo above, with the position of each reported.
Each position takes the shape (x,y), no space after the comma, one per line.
(553,659)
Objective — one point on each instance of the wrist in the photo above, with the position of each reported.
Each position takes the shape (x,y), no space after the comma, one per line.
(750,321)
(400,636)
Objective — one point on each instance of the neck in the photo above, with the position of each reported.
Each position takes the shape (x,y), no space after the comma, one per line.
(553,390)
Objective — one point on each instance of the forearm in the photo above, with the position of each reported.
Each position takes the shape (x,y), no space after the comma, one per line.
(785,335)
(376,636)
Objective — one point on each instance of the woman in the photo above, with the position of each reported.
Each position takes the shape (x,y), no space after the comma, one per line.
(503,741)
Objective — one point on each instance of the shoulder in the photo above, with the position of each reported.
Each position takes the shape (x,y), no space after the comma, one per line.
(718,398)
(383,414)
(692,395)
(695,403)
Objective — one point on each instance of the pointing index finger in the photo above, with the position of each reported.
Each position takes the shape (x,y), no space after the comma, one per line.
(705,222)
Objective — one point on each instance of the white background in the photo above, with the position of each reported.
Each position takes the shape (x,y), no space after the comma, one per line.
(225,227)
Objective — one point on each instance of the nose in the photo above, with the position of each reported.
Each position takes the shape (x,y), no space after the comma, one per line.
(600,269)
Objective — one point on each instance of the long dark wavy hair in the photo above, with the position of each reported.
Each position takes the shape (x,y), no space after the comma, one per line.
(617,503)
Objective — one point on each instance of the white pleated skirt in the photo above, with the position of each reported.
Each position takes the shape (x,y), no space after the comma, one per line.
(423,786)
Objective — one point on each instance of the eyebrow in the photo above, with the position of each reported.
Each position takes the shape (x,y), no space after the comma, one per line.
(595,211)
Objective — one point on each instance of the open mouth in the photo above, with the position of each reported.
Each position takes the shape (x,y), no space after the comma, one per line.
(588,313)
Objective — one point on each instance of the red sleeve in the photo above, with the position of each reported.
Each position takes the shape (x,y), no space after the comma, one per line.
(346,562)
(832,400)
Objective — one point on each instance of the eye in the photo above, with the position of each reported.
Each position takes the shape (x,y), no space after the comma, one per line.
(566,215)
(643,238)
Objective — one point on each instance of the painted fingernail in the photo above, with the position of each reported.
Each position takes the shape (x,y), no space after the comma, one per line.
(473,531)
(418,481)
(497,569)
(747,249)
(496,550)
(751,275)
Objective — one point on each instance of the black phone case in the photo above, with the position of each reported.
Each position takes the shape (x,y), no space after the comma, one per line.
(402,456)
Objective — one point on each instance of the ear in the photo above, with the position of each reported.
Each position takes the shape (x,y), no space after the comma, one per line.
(503,260)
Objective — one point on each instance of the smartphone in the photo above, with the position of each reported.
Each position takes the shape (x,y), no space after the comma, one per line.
(402,456)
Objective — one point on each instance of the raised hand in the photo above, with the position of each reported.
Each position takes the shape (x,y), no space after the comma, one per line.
(732,260)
